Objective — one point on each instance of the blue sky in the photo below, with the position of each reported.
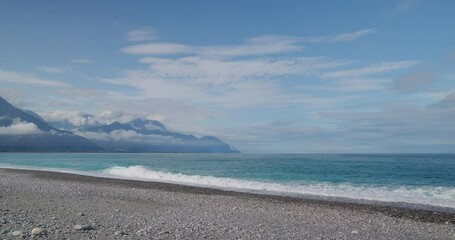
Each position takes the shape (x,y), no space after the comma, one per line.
(265,76)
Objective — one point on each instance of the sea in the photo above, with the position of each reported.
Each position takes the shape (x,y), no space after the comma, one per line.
(421,179)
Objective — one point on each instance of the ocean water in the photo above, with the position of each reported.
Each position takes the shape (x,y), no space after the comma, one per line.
(411,178)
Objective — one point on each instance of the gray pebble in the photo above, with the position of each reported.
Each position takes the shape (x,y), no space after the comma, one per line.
(38,231)
(119,233)
(16,233)
(86,227)
(4,231)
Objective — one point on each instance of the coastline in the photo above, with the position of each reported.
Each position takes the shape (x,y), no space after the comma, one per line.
(213,204)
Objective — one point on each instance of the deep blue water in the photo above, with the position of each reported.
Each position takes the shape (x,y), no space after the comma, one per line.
(416,178)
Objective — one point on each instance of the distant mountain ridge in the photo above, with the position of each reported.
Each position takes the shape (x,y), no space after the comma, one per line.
(23,130)
(152,136)
(35,134)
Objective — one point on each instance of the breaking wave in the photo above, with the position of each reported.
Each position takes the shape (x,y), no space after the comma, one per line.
(427,195)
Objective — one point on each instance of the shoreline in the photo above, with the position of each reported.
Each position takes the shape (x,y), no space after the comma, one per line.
(131,209)
(419,212)
(295,196)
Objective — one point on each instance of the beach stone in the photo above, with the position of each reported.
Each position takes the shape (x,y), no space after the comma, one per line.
(119,233)
(38,231)
(86,227)
(4,231)
(16,233)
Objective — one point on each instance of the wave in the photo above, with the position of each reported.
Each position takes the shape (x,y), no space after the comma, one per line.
(426,195)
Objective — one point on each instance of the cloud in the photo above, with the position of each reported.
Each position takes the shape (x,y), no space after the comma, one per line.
(226,82)
(286,136)
(396,127)
(51,69)
(158,49)
(141,34)
(414,82)
(261,45)
(109,116)
(20,128)
(128,136)
(374,69)
(166,111)
(406,5)
(399,128)
(346,37)
(359,84)
(203,69)
(248,74)
(23,78)
(81,119)
(447,102)
(75,118)
(81,60)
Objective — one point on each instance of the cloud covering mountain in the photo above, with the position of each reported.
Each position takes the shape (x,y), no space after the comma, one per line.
(26,131)
(22,130)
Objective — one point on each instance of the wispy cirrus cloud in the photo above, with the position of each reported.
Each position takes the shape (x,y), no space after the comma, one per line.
(346,37)
(80,60)
(369,70)
(141,34)
(250,71)
(24,78)
(447,102)
(414,82)
(225,82)
(406,5)
(49,69)
(261,45)
(201,69)
(157,48)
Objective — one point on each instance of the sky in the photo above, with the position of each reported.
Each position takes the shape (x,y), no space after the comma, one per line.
(263,76)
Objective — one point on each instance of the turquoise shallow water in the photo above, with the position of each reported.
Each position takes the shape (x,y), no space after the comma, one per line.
(424,179)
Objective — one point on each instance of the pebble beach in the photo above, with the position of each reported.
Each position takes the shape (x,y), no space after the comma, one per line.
(52,205)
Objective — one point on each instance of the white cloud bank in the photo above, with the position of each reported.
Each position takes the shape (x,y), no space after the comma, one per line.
(128,136)
(20,128)
(74,117)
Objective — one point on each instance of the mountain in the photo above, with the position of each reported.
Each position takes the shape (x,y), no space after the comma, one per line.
(151,136)
(26,131)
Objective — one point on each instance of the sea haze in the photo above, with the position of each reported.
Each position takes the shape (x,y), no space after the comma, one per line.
(427,179)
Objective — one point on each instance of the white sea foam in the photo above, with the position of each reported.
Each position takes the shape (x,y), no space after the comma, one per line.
(435,196)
